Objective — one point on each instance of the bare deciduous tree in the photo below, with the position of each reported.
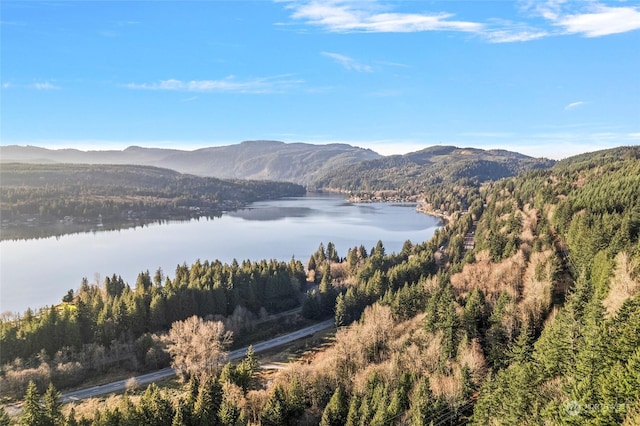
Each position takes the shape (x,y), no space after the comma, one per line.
(198,346)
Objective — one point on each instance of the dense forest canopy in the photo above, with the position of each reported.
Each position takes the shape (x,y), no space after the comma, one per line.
(443,176)
(85,196)
(523,309)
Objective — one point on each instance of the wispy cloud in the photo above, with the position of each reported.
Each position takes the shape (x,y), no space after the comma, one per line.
(590,19)
(509,32)
(230,84)
(347,62)
(41,85)
(560,17)
(602,21)
(574,105)
(44,86)
(392,64)
(370,16)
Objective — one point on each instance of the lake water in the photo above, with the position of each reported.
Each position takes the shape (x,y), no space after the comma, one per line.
(34,273)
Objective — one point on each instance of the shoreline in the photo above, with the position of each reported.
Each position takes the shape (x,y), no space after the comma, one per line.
(444,217)
(421,205)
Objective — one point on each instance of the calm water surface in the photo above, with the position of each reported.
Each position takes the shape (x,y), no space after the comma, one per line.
(34,273)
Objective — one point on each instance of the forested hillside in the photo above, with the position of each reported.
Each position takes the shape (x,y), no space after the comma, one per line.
(258,160)
(45,199)
(525,309)
(443,176)
(107,325)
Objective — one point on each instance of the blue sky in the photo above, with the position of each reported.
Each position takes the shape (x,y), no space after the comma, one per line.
(547,77)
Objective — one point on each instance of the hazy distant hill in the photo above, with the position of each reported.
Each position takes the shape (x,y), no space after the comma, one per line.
(38,200)
(335,166)
(262,160)
(415,171)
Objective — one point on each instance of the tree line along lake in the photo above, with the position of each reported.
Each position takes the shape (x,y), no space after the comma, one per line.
(39,272)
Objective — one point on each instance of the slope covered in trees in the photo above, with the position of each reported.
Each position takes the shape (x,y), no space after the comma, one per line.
(261,160)
(443,176)
(524,310)
(84,196)
(536,324)
(99,327)
(579,365)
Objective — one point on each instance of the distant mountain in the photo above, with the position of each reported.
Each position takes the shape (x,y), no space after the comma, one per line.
(418,170)
(339,167)
(260,160)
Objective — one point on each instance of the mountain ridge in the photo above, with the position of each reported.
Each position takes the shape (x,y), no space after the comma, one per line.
(333,166)
(257,160)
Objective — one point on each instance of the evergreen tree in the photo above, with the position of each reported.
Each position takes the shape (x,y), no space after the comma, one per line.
(158,277)
(353,418)
(341,316)
(311,307)
(295,398)
(311,265)
(4,417)
(352,261)
(400,398)
(441,315)
(591,359)
(327,292)
(497,337)
(332,254)
(474,314)
(228,374)
(321,255)
(274,412)
(71,418)
(379,405)
(378,249)
(245,369)
(522,347)
(182,416)
(52,406)
(511,398)
(126,410)
(32,412)
(229,414)
(421,403)
(154,408)
(325,283)
(207,405)
(362,252)
(335,413)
